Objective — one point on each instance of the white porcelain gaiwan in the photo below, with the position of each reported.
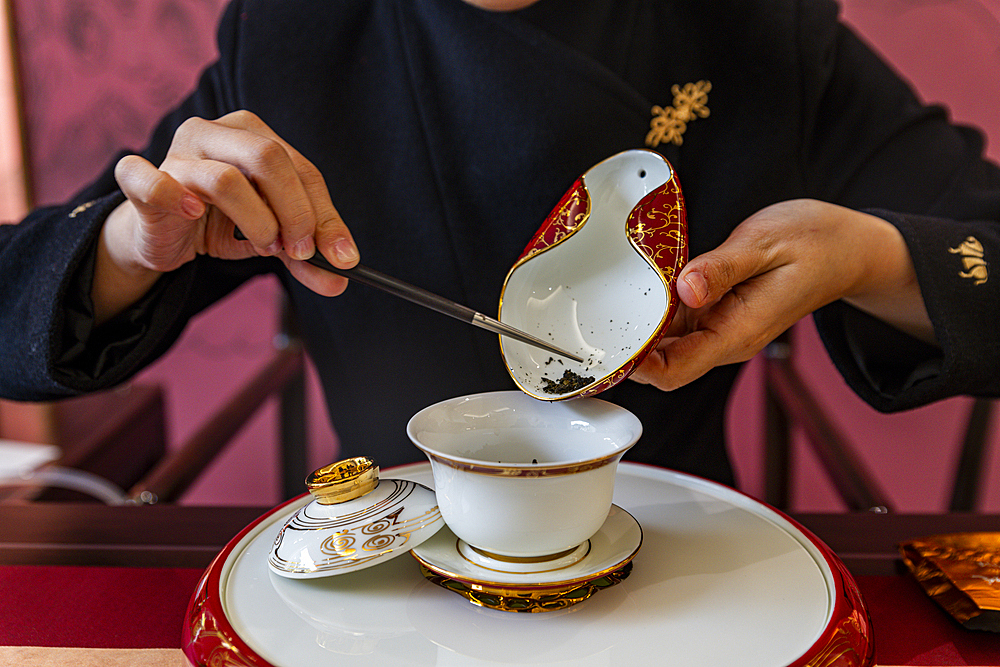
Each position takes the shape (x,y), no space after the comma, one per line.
(519,478)
(598,279)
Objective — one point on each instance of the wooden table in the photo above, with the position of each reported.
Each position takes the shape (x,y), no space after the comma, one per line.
(183,536)
(120,577)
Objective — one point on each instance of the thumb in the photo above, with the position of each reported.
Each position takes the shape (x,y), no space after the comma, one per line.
(155,193)
(708,277)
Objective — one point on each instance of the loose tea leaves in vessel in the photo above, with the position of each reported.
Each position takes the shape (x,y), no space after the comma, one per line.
(569,381)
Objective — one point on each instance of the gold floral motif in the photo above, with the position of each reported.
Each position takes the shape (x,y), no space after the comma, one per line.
(973,259)
(564,221)
(664,219)
(670,123)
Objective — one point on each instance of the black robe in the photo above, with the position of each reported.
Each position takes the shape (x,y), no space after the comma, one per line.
(446,134)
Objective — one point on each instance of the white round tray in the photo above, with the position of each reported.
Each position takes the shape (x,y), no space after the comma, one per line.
(720,579)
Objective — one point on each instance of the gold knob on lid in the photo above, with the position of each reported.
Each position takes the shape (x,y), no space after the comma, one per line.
(344,480)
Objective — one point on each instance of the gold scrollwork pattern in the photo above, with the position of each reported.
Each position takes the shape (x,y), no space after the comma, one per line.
(973,260)
(341,551)
(568,216)
(670,123)
(210,645)
(356,538)
(339,543)
(656,227)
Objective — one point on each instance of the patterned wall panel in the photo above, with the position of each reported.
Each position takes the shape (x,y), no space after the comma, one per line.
(98,73)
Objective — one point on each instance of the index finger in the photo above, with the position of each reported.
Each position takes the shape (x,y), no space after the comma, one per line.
(324,229)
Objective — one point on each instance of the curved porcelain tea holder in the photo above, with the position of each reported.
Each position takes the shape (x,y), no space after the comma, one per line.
(599,278)
(354,521)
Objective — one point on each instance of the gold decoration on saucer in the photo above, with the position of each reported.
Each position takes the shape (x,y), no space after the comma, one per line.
(973,259)
(670,123)
(81,208)
(529,600)
(524,559)
(343,480)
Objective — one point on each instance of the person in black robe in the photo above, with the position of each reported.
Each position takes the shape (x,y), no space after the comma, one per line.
(430,138)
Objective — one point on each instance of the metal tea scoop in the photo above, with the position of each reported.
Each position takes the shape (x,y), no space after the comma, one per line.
(422,297)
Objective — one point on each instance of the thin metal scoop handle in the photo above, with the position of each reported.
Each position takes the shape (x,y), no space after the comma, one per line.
(422,297)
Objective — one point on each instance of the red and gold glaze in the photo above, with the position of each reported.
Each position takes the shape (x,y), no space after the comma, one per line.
(656,228)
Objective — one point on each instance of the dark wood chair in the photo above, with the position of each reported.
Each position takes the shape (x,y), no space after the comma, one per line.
(282,376)
(789,405)
(120,436)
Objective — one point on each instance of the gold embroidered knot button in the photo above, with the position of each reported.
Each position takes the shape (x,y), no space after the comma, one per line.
(354,521)
(670,123)
(973,260)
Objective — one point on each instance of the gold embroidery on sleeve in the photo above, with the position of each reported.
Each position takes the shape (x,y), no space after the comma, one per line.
(81,208)
(973,260)
(669,124)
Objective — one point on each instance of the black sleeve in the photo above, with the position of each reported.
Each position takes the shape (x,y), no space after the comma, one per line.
(50,348)
(871,145)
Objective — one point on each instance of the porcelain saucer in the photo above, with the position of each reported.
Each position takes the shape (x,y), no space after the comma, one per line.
(530,585)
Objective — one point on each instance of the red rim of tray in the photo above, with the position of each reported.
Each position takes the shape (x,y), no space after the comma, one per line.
(209,638)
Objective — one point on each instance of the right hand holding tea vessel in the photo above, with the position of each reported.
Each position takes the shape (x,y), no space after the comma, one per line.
(778,266)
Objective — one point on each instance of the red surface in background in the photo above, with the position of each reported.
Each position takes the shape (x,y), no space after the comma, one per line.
(94,607)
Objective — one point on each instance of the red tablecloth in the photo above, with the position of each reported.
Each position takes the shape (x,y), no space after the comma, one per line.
(104,607)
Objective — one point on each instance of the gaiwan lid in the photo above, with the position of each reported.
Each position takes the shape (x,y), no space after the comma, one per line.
(354,521)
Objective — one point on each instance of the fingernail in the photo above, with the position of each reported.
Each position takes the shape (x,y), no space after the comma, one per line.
(697,283)
(345,251)
(304,248)
(192,206)
(274,248)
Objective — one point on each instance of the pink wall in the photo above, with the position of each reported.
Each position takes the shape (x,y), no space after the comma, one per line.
(99,73)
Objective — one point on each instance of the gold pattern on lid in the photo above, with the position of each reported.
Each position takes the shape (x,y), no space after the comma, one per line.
(973,259)
(344,480)
(670,123)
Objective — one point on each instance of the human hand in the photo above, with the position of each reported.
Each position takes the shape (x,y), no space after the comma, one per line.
(217,174)
(777,266)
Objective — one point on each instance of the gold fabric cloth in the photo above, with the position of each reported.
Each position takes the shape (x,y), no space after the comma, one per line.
(961,572)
